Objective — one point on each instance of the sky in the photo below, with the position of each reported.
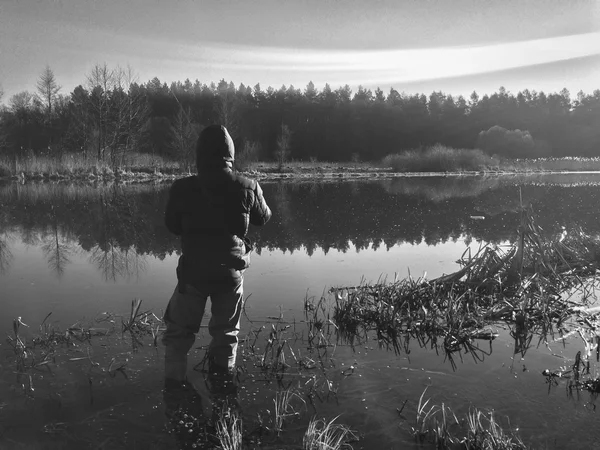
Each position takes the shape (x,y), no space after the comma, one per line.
(415,46)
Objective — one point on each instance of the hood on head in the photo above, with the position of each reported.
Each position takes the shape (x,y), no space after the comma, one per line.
(215,149)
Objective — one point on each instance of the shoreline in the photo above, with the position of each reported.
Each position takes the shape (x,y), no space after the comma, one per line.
(302,174)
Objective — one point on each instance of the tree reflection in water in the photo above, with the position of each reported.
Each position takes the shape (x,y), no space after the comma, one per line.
(6,255)
(57,248)
(114,262)
(119,225)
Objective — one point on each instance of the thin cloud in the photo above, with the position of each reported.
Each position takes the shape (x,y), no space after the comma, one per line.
(389,66)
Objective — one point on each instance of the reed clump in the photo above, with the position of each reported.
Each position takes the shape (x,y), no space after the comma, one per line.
(229,430)
(48,347)
(478,430)
(528,285)
(285,409)
(141,323)
(274,348)
(323,434)
(276,356)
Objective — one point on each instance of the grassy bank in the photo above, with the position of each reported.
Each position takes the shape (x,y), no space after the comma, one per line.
(440,158)
(435,159)
(569,164)
(78,166)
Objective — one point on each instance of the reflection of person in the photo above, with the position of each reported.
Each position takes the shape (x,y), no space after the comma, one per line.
(211,212)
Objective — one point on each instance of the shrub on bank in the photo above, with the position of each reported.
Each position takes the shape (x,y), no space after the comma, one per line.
(440,158)
(508,143)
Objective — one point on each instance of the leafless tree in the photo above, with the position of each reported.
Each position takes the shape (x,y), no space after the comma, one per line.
(130,110)
(100,80)
(283,145)
(48,89)
(119,107)
(185,134)
(22,105)
(21,102)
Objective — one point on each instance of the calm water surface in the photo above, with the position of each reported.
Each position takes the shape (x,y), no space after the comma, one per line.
(78,251)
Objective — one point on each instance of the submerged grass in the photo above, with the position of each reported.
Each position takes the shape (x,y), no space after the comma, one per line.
(284,410)
(41,351)
(281,354)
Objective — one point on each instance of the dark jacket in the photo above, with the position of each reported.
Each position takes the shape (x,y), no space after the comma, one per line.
(211,212)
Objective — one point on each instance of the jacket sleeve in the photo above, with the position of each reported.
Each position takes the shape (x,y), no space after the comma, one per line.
(172,215)
(260,213)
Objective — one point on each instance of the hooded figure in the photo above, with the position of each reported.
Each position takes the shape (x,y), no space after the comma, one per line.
(211,212)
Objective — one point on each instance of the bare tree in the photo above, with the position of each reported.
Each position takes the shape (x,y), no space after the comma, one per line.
(21,102)
(185,134)
(100,82)
(119,110)
(22,106)
(283,146)
(130,111)
(48,89)
(1,92)
(101,76)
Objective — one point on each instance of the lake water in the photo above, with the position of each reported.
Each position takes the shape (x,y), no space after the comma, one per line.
(81,250)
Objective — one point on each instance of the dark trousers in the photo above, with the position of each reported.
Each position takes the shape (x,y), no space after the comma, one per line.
(183,317)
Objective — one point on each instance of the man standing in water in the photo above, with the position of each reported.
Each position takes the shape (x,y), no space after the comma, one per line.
(211,212)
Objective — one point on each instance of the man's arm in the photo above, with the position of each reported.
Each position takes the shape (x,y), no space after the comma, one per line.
(260,213)
(172,215)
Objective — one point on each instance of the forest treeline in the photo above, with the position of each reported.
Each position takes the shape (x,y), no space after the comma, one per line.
(112,114)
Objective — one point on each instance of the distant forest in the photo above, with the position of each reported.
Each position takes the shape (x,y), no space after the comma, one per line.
(111,113)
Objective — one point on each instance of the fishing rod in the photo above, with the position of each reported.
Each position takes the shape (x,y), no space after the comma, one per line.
(180,105)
